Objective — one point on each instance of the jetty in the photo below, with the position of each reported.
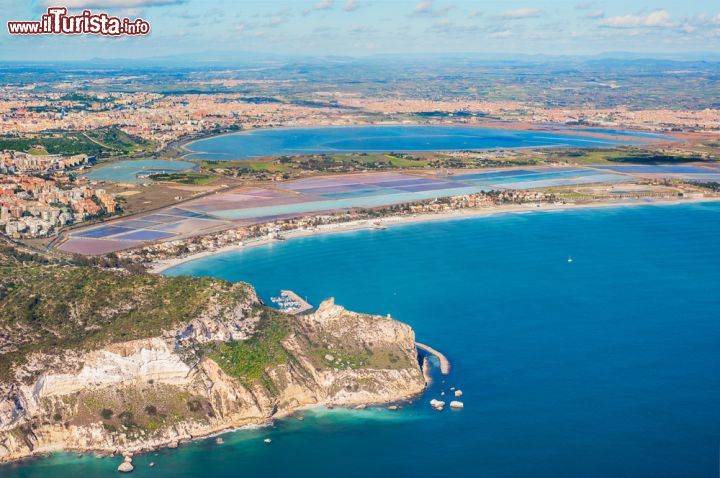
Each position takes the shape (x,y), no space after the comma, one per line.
(444,362)
(291,303)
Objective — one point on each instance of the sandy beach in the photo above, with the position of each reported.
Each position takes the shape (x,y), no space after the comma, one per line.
(380,223)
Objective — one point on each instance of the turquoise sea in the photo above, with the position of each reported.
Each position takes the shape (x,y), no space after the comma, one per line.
(267,142)
(606,366)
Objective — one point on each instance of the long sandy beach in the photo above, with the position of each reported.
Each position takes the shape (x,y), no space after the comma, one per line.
(389,221)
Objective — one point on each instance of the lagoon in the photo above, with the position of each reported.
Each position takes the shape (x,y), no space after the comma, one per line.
(293,141)
(128,171)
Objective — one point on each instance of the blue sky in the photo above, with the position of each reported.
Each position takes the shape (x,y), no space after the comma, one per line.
(366,27)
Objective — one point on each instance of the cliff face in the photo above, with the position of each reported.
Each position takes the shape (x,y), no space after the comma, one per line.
(233,364)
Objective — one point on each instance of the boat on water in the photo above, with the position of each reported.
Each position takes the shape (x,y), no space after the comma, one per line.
(290,303)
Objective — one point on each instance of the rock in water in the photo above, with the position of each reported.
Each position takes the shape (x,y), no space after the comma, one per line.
(458,393)
(125,467)
(219,440)
(393,407)
(267,440)
(456,404)
(128,366)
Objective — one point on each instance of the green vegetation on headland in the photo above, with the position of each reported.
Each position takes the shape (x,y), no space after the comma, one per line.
(136,410)
(48,307)
(239,357)
(247,360)
(100,142)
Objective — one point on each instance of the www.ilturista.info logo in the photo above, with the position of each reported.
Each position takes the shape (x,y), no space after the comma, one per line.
(57,22)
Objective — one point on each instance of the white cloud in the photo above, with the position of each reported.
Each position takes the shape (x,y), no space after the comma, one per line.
(656,19)
(584,5)
(520,13)
(427,8)
(351,5)
(424,6)
(319,6)
(111,3)
(501,34)
(323,5)
(705,19)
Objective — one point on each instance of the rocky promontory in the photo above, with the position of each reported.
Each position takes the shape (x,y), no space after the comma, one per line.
(184,369)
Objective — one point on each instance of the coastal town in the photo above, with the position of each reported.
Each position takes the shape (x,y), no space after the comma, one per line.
(40,193)
(56,130)
(163,119)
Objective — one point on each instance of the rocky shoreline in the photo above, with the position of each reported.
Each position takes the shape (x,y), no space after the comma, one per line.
(142,395)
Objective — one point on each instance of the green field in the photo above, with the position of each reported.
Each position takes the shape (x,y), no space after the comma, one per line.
(317,162)
(101,143)
(621,155)
(193,178)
